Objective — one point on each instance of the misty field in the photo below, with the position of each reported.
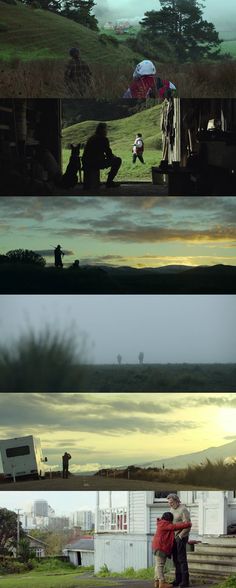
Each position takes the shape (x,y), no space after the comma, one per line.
(54,361)
(160,378)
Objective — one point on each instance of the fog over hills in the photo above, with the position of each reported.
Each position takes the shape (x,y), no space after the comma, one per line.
(222,15)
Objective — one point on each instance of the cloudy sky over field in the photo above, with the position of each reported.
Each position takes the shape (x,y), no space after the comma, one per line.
(102,430)
(168,329)
(139,232)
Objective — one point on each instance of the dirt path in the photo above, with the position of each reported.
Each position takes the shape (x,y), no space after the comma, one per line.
(95,483)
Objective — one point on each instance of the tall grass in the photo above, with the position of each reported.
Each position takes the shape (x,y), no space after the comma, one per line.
(208,474)
(44,78)
(45,362)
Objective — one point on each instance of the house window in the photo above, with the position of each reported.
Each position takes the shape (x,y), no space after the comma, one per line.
(162,495)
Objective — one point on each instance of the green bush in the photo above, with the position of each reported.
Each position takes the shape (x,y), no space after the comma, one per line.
(3,29)
(9,565)
(104,571)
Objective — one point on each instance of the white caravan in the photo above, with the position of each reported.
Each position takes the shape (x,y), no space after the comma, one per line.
(22,456)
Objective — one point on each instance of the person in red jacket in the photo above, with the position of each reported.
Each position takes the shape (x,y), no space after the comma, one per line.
(162,545)
(146,83)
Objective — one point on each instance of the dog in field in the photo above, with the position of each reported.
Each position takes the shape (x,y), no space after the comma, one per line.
(74,167)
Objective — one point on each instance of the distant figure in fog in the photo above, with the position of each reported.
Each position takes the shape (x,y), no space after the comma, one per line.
(141,357)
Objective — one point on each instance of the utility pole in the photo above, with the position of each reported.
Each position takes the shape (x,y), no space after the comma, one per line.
(18,530)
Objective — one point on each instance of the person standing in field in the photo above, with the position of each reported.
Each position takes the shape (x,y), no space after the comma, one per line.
(180,514)
(78,76)
(138,148)
(58,254)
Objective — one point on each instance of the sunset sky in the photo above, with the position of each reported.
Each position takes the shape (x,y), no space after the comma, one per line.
(119,429)
(140,232)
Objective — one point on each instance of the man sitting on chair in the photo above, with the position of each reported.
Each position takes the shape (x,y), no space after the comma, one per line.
(98,155)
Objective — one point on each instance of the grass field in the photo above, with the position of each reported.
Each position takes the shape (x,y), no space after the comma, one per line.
(121,134)
(229,46)
(32,34)
(34,50)
(66,581)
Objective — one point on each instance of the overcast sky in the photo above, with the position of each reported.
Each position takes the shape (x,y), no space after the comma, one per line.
(61,502)
(218,12)
(105,430)
(140,232)
(168,329)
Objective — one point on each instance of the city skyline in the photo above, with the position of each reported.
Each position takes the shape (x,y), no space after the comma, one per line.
(64,503)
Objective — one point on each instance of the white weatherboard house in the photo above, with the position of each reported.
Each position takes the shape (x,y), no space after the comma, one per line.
(123,535)
(81,551)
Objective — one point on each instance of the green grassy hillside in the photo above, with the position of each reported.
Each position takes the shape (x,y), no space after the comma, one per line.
(229,46)
(121,134)
(28,34)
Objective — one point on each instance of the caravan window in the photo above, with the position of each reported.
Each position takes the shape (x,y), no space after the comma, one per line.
(15,451)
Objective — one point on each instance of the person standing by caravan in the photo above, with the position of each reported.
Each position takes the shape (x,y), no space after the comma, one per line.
(65,464)
(180,514)
(138,148)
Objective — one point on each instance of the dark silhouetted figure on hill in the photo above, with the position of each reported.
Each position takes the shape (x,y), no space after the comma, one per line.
(78,76)
(119,358)
(74,167)
(58,254)
(98,155)
(141,357)
(65,464)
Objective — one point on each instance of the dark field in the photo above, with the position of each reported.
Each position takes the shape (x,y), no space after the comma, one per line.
(159,378)
(27,279)
(75,483)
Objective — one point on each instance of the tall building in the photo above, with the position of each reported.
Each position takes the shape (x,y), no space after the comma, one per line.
(83,519)
(40,508)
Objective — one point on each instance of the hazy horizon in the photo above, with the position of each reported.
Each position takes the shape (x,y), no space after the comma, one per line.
(167,329)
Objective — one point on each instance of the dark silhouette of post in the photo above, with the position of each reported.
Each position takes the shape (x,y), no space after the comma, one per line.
(119,358)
